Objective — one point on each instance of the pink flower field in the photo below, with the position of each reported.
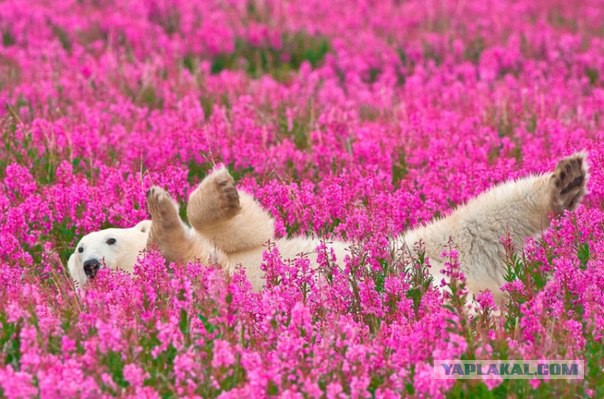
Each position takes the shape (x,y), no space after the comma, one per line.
(346,119)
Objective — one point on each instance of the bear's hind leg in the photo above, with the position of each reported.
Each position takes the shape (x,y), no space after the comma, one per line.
(568,183)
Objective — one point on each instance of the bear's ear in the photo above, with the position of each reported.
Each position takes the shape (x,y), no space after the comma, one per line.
(71,265)
(76,274)
(143,226)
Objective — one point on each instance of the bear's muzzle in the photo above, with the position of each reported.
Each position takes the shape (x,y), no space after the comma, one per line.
(91,267)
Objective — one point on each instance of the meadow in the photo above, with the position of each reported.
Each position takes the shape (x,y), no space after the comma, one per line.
(351,119)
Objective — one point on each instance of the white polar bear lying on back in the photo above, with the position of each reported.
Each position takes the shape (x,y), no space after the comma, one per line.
(230,228)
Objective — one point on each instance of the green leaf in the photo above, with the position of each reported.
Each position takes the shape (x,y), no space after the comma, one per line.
(583,255)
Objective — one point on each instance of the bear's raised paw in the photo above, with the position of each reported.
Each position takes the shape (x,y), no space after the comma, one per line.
(228,197)
(569,182)
(161,206)
(215,200)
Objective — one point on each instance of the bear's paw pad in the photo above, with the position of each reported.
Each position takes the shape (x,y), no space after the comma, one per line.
(570,180)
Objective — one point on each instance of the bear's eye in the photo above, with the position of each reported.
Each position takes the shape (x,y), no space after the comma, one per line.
(81,249)
(111,241)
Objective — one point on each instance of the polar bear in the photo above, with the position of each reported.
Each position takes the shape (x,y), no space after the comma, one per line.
(115,248)
(230,228)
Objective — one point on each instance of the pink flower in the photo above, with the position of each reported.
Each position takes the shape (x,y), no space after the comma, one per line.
(355,123)
(223,355)
(134,375)
(485,300)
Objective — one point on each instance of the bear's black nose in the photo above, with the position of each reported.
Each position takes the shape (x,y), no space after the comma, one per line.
(91,266)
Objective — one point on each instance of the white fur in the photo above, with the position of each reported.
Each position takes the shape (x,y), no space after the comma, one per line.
(129,244)
(518,208)
(231,228)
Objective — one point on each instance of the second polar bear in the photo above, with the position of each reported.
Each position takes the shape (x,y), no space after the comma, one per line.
(230,228)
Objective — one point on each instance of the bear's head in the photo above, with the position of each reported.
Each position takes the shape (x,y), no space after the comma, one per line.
(113,248)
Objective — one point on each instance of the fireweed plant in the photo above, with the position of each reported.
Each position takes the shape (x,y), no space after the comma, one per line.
(345,119)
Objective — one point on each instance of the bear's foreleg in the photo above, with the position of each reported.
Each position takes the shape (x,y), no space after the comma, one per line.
(172,237)
(231,220)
